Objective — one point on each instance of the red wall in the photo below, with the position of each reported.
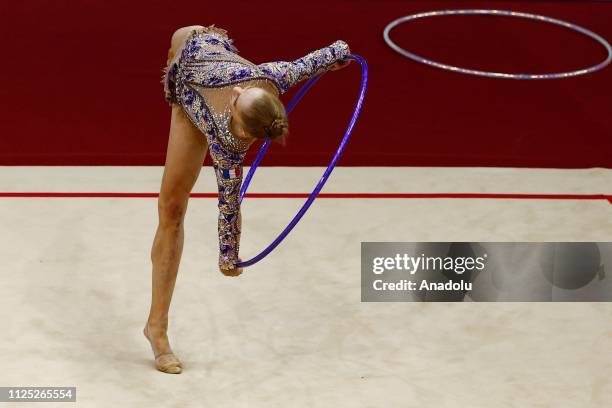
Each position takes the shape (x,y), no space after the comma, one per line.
(80,82)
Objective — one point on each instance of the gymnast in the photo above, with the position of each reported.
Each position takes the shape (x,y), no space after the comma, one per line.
(220,103)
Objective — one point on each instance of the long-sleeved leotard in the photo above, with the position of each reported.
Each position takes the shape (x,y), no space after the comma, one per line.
(200,79)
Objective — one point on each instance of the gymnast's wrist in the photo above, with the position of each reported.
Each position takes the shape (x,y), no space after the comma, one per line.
(227,269)
(230,268)
(342,49)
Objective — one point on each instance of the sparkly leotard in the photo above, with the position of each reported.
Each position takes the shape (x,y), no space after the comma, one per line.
(200,78)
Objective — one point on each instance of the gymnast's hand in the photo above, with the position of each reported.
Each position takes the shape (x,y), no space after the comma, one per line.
(232,272)
(339,65)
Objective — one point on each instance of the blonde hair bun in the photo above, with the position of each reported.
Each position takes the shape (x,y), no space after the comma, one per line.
(278,127)
(265,117)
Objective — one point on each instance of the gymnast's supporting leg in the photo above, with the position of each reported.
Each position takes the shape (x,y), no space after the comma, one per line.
(187,148)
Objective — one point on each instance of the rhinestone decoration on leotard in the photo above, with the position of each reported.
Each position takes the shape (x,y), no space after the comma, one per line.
(226,137)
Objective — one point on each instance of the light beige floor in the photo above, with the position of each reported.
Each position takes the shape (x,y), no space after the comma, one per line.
(291,331)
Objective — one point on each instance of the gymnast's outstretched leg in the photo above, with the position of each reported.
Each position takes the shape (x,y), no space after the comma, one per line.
(187,148)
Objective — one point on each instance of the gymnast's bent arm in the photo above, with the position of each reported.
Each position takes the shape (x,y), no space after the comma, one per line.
(289,73)
(229,180)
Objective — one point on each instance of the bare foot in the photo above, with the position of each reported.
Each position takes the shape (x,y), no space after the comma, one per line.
(165,360)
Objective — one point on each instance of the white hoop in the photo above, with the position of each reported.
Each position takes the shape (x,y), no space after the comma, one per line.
(509,13)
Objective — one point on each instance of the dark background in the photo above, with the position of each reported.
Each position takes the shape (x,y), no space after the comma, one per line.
(81,82)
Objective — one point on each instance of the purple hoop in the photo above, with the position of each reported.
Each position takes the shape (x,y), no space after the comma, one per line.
(321,183)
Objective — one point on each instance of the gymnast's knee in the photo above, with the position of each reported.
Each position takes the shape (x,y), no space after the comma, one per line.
(178,37)
(171,209)
(180,34)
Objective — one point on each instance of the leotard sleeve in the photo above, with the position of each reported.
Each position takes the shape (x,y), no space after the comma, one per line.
(289,73)
(229,180)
